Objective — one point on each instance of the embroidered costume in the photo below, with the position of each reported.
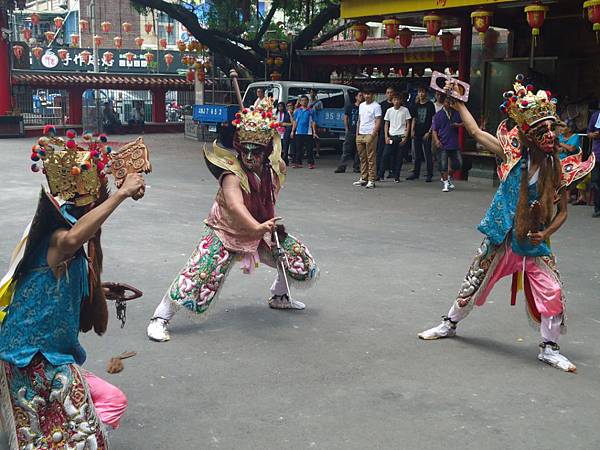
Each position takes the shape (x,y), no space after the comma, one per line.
(503,252)
(47,399)
(259,169)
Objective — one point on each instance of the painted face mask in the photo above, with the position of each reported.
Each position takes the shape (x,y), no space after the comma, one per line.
(252,157)
(543,135)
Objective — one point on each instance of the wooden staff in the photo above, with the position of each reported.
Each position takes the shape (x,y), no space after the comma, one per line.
(234,80)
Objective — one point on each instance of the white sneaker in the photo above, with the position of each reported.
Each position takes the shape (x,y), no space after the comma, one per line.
(443,330)
(284,302)
(370,185)
(157,330)
(450,184)
(549,353)
(360,182)
(446,186)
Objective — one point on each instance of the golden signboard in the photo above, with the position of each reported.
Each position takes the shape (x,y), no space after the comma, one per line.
(418,57)
(352,9)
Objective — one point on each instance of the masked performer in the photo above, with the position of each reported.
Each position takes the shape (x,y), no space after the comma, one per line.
(51,292)
(240,225)
(529,206)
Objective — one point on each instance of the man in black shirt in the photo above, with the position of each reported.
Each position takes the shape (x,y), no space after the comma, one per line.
(349,148)
(385,105)
(423,112)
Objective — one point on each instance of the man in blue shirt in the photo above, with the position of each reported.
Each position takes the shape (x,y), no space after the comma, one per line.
(304,131)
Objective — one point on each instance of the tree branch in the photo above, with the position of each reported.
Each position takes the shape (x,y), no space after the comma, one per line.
(325,37)
(267,21)
(318,23)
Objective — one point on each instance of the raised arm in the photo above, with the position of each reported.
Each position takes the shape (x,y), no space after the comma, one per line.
(64,243)
(234,199)
(484,138)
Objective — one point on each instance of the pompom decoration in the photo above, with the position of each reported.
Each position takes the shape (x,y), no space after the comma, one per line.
(530,87)
(42,152)
(103,138)
(35,168)
(100,165)
(71,145)
(524,103)
(520,77)
(71,134)
(35,157)
(75,170)
(554,100)
(49,131)
(94,154)
(108,149)
(87,135)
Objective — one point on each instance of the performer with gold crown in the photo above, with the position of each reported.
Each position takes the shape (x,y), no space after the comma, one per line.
(241,225)
(529,206)
(51,292)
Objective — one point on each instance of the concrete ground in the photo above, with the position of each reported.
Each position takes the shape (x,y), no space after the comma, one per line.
(349,371)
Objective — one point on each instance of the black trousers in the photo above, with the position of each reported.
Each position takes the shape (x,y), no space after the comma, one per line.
(393,157)
(596,186)
(423,153)
(349,152)
(302,142)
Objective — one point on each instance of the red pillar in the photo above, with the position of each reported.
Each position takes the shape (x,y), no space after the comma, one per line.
(75,106)
(5,88)
(159,112)
(464,71)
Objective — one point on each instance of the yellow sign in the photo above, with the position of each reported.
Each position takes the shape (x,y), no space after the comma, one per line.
(354,9)
(419,57)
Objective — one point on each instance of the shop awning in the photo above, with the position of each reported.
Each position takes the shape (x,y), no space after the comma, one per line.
(62,80)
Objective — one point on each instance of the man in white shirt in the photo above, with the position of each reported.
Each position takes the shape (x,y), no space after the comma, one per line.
(367,129)
(397,134)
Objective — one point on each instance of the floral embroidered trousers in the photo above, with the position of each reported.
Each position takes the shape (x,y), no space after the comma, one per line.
(197,285)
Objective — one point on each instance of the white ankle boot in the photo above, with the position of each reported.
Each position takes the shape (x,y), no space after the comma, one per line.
(550,354)
(157,330)
(444,330)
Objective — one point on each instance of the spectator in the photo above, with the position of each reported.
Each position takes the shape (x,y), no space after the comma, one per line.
(349,152)
(439,101)
(570,143)
(291,107)
(385,105)
(110,121)
(594,135)
(315,104)
(446,123)
(137,116)
(303,131)
(367,129)
(260,96)
(423,113)
(285,129)
(397,134)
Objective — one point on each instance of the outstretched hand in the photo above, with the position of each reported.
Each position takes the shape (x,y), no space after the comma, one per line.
(453,86)
(133,186)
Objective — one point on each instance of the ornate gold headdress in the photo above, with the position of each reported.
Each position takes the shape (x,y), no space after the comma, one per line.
(256,125)
(527,108)
(74,173)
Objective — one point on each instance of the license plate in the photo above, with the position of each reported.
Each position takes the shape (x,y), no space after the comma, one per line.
(212,128)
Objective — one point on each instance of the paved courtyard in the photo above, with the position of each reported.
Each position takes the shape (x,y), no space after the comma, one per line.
(348,372)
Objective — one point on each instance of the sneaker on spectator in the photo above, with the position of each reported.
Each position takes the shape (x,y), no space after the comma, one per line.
(428,180)
(311,166)
(412,177)
(445,186)
(370,185)
(596,214)
(340,169)
(450,184)
(360,182)
(396,180)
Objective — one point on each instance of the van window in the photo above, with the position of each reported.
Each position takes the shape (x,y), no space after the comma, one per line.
(270,91)
(327,98)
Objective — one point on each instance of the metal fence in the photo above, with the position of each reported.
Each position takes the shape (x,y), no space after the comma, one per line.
(42,106)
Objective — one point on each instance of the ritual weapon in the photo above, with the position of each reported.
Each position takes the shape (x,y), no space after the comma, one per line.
(120,293)
(133,157)
(236,87)
(449,86)
(282,260)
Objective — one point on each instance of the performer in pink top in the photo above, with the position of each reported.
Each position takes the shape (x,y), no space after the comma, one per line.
(241,225)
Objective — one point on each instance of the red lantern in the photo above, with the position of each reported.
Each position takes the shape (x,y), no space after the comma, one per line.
(278,61)
(283,46)
(481,22)
(391,29)
(361,31)
(18,51)
(49,36)
(269,61)
(447,39)
(536,14)
(148,27)
(37,52)
(35,19)
(75,40)
(127,27)
(163,42)
(129,56)
(85,56)
(433,23)
(63,53)
(118,40)
(139,41)
(275,76)
(107,57)
(181,45)
(98,40)
(169,59)
(593,14)
(169,28)
(405,36)
(84,25)
(106,26)
(149,57)
(26,33)
(190,75)
(58,22)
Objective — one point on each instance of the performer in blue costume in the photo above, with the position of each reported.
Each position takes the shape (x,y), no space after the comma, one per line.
(529,206)
(51,292)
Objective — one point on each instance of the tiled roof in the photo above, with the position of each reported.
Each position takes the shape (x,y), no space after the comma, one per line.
(99,80)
